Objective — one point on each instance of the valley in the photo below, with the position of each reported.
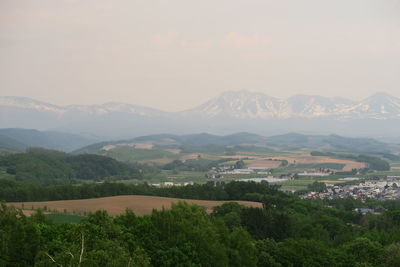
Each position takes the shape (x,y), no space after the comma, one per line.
(292,161)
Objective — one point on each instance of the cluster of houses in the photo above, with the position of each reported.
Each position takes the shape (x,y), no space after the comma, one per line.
(387,189)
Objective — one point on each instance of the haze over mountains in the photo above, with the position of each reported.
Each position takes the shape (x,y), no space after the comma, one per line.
(15,139)
(232,111)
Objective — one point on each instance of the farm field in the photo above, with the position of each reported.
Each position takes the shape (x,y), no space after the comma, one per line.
(141,155)
(140,205)
(265,163)
(395,164)
(184,157)
(304,159)
(295,184)
(302,184)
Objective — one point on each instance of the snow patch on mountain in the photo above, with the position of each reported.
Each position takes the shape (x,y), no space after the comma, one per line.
(28,103)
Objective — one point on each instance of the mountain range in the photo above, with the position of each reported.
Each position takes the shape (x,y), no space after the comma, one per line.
(232,111)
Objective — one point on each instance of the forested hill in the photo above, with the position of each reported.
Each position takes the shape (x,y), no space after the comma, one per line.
(45,167)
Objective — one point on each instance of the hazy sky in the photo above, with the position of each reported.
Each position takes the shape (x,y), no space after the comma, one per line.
(175,54)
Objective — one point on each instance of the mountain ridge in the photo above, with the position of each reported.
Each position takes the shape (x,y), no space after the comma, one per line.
(231,111)
(241,104)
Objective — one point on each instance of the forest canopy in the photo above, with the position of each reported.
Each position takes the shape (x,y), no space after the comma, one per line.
(45,167)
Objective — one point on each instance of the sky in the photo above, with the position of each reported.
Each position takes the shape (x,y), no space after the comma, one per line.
(176,54)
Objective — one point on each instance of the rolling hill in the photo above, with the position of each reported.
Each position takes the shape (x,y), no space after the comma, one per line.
(203,143)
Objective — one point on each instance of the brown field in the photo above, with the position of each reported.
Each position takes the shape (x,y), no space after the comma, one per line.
(265,163)
(298,159)
(140,205)
(349,164)
(143,146)
(174,151)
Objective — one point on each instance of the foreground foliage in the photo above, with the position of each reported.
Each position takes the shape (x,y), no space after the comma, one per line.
(287,231)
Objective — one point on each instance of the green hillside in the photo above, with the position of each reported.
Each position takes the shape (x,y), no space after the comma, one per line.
(41,166)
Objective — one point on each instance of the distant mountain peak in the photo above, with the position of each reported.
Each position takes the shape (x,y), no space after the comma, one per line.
(245,104)
(239,104)
(379,106)
(29,103)
(229,111)
(380,95)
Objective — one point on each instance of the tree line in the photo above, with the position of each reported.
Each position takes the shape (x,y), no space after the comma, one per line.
(13,191)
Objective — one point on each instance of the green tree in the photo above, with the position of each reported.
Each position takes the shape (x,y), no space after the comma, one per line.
(365,251)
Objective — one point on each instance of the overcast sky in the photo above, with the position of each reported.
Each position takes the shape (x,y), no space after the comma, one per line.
(175,54)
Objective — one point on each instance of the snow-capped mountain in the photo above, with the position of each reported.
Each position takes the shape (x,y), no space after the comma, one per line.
(252,105)
(241,104)
(379,106)
(111,107)
(231,111)
(28,103)
(317,106)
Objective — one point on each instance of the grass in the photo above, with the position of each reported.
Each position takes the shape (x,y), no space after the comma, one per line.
(300,184)
(384,173)
(328,165)
(65,218)
(169,176)
(134,155)
(5,175)
(395,164)
(186,176)
(295,184)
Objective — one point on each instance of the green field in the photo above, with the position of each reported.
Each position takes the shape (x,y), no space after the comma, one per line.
(395,164)
(64,218)
(5,175)
(169,176)
(335,166)
(295,184)
(134,155)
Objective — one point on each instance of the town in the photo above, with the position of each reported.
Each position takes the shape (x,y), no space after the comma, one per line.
(383,189)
